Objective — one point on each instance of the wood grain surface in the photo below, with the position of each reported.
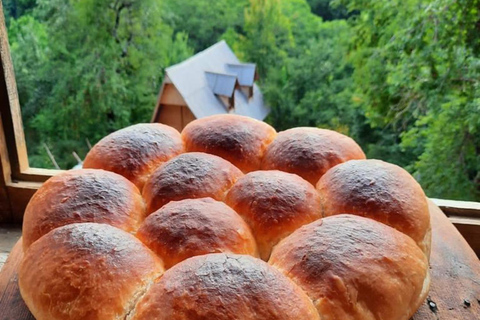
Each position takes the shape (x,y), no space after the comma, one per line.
(454,292)
(455,270)
(12,306)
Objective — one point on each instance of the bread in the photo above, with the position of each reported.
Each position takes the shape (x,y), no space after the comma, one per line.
(96,247)
(310,152)
(224,287)
(189,176)
(83,196)
(136,151)
(355,268)
(86,271)
(238,139)
(187,228)
(274,204)
(380,191)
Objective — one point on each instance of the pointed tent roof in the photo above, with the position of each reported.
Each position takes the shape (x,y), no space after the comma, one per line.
(194,77)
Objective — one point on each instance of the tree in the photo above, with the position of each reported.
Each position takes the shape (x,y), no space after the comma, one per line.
(315,88)
(14,9)
(417,71)
(205,21)
(328,10)
(87,90)
(268,35)
(304,25)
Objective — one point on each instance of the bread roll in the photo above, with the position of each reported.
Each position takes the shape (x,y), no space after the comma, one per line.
(381,191)
(355,268)
(86,271)
(136,151)
(192,227)
(224,287)
(274,204)
(238,139)
(87,195)
(189,176)
(310,152)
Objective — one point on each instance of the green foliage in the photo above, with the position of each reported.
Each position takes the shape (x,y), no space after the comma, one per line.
(304,25)
(267,36)
(328,10)
(205,21)
(417,66)
(315,88)
(86,90)
(14,9)
(449,166)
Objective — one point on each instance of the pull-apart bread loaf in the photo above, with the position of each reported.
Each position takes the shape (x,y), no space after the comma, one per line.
(380,191)
(224,287)
(87,195)
(274,204)
(189,176)
(96,243)
(136,151)
(238,139)
(192,227)
(355,268)
(310,152)
(86,271)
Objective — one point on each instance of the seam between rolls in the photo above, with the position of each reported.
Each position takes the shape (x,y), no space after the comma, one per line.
(139,296)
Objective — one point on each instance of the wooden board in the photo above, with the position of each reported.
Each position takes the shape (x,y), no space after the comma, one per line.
(454,293)
(465,216)
(12,306)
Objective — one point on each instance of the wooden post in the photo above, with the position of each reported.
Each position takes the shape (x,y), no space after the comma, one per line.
(10,107)
(5,168)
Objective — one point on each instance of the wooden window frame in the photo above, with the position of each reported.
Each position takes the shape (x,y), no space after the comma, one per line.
(18,182)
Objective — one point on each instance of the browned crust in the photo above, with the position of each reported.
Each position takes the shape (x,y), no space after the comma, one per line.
(274,204)
(224,287)
(87,195)
(86,271)
(136,151)
(355,268)
(310,152)
(381,191)
(189,176)
(192,227)
(238,139)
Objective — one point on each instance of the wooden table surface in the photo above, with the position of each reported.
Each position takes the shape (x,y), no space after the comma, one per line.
(454,292)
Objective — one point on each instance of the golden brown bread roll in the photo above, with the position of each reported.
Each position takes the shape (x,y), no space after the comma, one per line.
(192,227)
(274,204)
(355,268)
(310,152)
(136,151)
(189,176)
(224,287)
(86,271)
(87,195)
(238,139)
(381,191)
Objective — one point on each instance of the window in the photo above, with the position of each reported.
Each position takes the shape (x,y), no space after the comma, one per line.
(18,181)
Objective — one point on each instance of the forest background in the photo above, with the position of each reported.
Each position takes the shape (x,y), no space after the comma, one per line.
(400,77)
